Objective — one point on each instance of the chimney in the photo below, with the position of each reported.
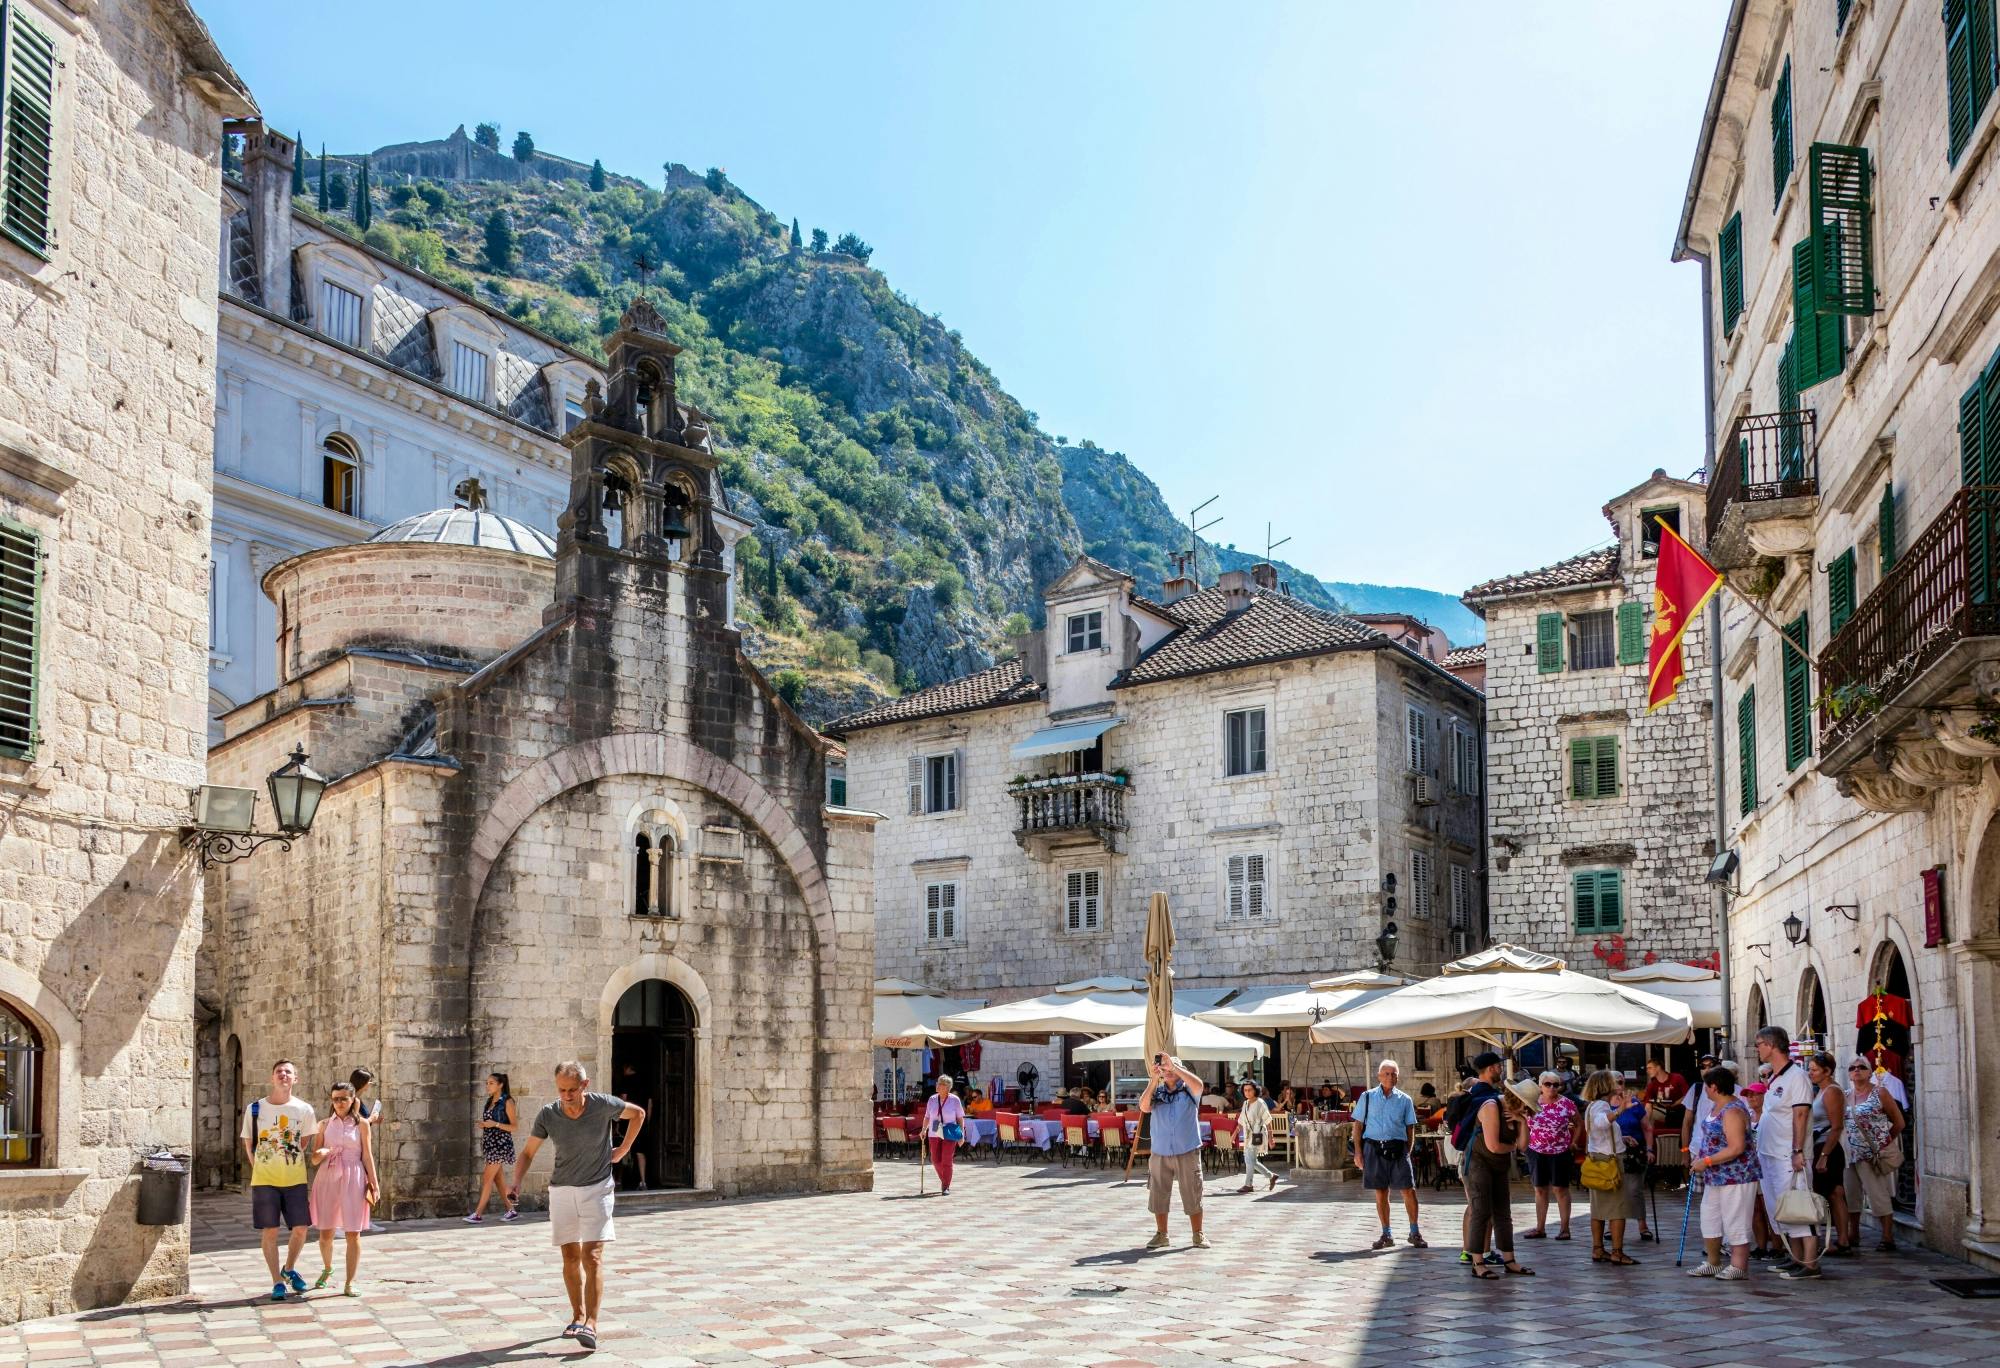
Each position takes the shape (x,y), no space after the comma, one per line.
(1179,587)
(1032,648)
(1264,575)
(267,171)
(1235,587)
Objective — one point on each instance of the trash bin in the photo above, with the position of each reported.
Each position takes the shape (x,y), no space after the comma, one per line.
(163,1188)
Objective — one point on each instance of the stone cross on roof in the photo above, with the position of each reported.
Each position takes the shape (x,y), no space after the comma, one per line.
(471,493)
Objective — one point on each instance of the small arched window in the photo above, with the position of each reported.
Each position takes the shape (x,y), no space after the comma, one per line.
(642,875)
(340,470)
(654,853)
(617,507)
(21,1064)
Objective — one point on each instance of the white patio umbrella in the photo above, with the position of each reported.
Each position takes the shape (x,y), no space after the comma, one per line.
(1700,989)
(1092,1007)
(906,1018)
(1507,996)
(1195,1038)
(1291,1006)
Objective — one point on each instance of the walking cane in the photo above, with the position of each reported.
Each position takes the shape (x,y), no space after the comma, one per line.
(923,1150)
(1687,1206)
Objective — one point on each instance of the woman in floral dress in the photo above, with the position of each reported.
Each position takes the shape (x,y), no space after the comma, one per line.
(1551,1155)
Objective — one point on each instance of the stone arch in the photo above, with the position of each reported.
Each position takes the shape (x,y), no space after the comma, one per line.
(657,830)
(1811,994)
(62,1054)
(1974,896)
(672,969)
(1756,1010)
(669,757)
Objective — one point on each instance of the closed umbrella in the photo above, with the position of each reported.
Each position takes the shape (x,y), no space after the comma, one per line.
(1159,978)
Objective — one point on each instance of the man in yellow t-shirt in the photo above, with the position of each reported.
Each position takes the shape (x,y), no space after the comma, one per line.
(277,1135)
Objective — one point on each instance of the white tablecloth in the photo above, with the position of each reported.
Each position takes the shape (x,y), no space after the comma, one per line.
(1040,1133)
(980,1130)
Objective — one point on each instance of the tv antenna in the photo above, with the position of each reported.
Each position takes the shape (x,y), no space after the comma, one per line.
(1269,545)
(1189,559)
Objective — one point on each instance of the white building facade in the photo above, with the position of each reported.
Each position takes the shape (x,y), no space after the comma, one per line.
(1843,211)
(1294,780)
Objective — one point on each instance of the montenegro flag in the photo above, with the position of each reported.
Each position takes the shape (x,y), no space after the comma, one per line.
(1681,586)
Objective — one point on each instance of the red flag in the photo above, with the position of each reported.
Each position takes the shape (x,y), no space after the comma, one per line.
(1682,583)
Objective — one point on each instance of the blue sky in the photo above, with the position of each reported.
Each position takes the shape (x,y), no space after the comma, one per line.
(1393,277)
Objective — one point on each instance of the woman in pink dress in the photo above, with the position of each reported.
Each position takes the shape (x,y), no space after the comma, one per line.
(345,1188)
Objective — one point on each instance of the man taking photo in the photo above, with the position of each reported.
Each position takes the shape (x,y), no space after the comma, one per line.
(1173,1101)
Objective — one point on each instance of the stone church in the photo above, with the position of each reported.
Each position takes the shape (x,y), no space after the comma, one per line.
(566,817)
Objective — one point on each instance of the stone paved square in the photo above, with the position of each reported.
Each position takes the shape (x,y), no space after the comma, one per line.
(1022,1264)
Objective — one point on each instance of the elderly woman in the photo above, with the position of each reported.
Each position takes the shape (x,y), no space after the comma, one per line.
(1728,1168)
(1873,1142)
(944,1129)
(1610,1207)
(1552,1134)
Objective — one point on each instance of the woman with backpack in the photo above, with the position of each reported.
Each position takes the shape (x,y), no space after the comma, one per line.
(944,1129)
(1489,1136)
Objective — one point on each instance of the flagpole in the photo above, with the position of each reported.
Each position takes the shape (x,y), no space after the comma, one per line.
(1742,598)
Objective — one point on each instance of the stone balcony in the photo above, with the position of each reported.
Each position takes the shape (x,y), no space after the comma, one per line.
(1069,812)
(1764,489)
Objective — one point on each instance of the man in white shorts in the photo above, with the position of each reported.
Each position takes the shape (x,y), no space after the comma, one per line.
(1784,1147)
(581,1190)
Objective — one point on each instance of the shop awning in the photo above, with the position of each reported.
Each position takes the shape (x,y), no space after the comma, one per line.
(1072,736)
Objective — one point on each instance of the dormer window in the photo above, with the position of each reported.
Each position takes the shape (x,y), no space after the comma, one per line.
(340,485)
(340,313)
(470,371)
(572,413)
(1086,631)
(1649,528)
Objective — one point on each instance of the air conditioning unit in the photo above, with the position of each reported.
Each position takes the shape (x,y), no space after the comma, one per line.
(1423,790)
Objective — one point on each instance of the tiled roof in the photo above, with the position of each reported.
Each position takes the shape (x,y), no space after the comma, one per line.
(1592,567)
(1274,627)
(994,687)
(1464,656)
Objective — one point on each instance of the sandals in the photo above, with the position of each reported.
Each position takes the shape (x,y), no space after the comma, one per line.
(1562,1234)
(1534,1234)
(1620,1259)
(325,1277)
(1483,1273)
(569,1331)
(1515,1270)
(586,1336)
(1599,1256)
(348,1291)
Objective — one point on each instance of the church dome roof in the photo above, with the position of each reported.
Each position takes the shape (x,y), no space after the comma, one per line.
(470,527)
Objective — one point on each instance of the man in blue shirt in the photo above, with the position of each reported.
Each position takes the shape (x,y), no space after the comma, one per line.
(1173,1101)
(1385,1125)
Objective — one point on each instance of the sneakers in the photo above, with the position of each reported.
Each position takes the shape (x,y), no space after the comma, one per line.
(1799,1272)
(1417,1240)
(298,1284)
(512,1215)
(1731,1273)
(1465,1256)
(1159,1241)
(1493,1259)
(474,1219)
(1705,1270)
(278,1291)
(1200,1241)
(1387,1241)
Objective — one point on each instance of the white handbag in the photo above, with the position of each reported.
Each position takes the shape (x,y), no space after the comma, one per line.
(1801,1206)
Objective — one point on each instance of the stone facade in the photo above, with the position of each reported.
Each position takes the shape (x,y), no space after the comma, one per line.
(1655,824)
(1841,817)
(1332,812)
(468,898)
(105,432)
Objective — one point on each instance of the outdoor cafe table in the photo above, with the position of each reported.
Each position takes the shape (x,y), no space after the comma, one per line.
(1132,1130)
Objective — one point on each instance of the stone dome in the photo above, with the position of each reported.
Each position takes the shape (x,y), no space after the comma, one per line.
(470,527)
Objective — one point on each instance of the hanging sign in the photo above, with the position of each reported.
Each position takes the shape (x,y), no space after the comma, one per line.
(1933,906)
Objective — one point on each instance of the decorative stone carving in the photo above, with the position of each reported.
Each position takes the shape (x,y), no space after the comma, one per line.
(1929,765)
(1884,793)
(1953,731)
(1781,536)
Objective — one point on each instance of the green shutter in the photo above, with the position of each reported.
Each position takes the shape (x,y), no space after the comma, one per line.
(1840,12)
(1841,222)
(1818,346)
(1781,135)
(20,639)
(1791,440)
(1610,900)
(1582,768)
(1885,525)
(1798,693)
(1549,643)
(1632,633)
(30,91)
(1586,900)
(1746,750)
(1839,592)
(1607,767)
(1958,75)
(1730,266)
(1972,471)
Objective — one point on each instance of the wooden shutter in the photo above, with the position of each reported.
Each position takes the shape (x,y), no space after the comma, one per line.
(947,911)
(957,777)
(1549,643)
(1610,899)
(1746,751)
(1781,135)
(933,901)
(1791,443)
(1839,592)
(20,640)
(1885,529)
(1632,633)
(1582,772)
(1073,901)
(1092,900)
(1841,9)
(1605,762)
(1969,68)
(1842,227)
(1461,898)
(1730,267)
(1585,893)
(1416,740)
(1421,877)
(1253,885)
(916,785)
(1236,877)
(30,93)
(1818,345)
(1798,693)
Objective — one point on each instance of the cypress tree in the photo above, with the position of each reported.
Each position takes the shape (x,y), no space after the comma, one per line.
(597,175)
(797,242)
(364,207)
(299,165)
(322,178)
(499,240)
(336,191)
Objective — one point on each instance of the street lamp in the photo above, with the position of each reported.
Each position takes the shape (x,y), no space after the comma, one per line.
(1795,930)
(224,816)
(1385,944)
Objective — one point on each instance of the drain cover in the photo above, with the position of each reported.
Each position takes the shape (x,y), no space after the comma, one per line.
(1097,1289)
(1969,1287)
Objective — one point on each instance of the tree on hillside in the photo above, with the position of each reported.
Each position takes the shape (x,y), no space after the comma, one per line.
(524,147)
(299,165)
(364,205)
(487,136)
(797,241)
(819,239)
(499,240)
(715,180)
(854,247)
(597,175)
(336,191)
(323,200)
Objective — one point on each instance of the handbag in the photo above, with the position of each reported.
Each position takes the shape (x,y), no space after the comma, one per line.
(951,1132)
(1801,1206)
(1601,1173)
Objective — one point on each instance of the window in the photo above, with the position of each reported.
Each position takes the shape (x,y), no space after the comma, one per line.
(1841,9)
(1248,900)
(1839,591)
(20,639)
(1781,135)
(934,782)
(1885,529)
(1649,528)
(836,790)
(1840,189)
(1548,643)
(1244,735)
(1465,759)
(20,1092)
(1082,900)
(468,371)
(1729,265)
(642,875)
(1746,752)
(1819,347)
(1798,692)
(27,139)
(572,414)
(1598,900)
(1968,68)
(1461,898)
(339,485)
(1632,633)
(340,313)
(1592,640)
(1086,631)
(1420,884)
(654,855)
(941,911)
(1979,464)
(1416,740)
(1593,767)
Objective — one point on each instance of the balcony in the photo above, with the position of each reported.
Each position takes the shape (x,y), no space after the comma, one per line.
(1928,638)
(1068,811)
(1764,489)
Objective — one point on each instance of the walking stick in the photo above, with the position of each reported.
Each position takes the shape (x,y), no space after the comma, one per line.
(1686,1206)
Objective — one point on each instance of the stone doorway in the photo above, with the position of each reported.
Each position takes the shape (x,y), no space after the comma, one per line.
(1890,976)
(653,1065)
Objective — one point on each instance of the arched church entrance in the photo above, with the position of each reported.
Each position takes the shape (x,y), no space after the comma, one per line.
(652,1064)
(1812,1012)
(1884,1036)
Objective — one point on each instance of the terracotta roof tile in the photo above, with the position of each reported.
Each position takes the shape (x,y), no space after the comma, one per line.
(1462,656)
(1274,627)
(993,687)
(1592,567)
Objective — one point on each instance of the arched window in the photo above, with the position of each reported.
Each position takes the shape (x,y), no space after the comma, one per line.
(21,1063)
(617,509)
(1812,1012)
(642,875)
(340,467)
(1758,1019)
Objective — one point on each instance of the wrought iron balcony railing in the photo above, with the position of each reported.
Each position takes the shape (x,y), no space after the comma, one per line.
(1766,456)
(1083,802)
(1944,589)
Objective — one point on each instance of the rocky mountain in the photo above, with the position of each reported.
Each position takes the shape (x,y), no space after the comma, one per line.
(908,509)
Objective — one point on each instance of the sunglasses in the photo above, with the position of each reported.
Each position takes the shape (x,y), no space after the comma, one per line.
(1859,1068)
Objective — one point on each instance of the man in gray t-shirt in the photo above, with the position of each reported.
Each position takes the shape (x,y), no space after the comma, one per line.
(581,1190)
